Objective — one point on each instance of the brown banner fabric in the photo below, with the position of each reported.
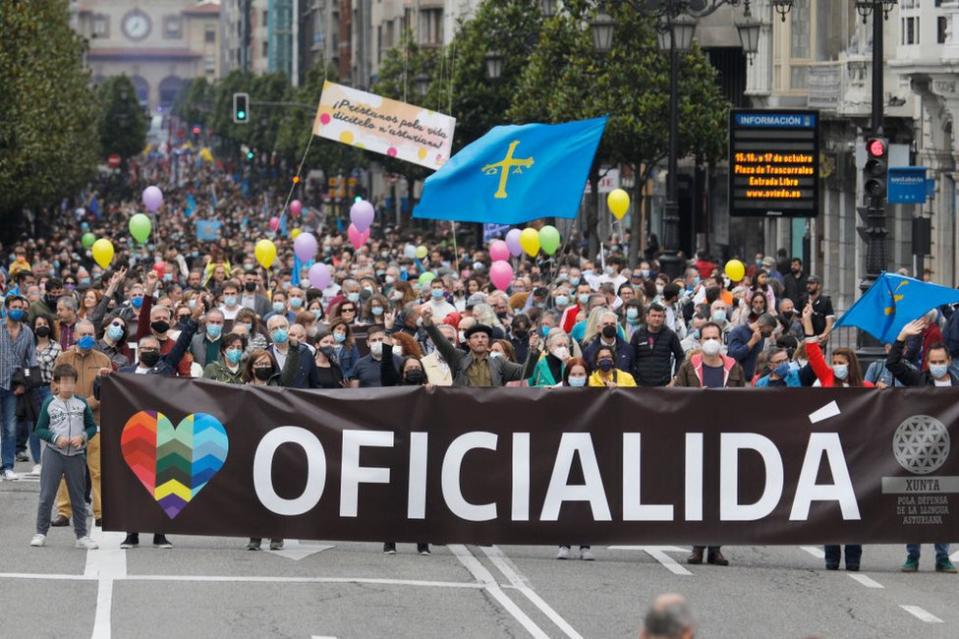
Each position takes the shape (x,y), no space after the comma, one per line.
(531,466)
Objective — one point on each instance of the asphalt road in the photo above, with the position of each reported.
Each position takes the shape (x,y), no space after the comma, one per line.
(212,587)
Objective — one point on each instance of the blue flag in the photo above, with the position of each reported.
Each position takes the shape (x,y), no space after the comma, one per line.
(514,174)
(892,302)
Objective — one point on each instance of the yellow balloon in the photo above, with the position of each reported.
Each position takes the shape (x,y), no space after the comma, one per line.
(529,241)
(295,233)
(735,270)
(421,251)
(618,202)
(265,253)
(103,252)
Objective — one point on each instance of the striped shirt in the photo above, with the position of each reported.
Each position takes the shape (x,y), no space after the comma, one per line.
(46,358)
(15,353)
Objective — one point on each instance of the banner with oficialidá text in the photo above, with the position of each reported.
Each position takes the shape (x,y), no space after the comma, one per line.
(531,466)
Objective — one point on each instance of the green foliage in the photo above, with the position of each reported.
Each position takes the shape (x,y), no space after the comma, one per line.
(194,104)
(123,124)
(48,112)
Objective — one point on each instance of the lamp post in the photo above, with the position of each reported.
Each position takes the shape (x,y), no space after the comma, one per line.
(676,28)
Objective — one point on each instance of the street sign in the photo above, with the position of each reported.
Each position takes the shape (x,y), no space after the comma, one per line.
(773,163)
(114,161)
(907,185)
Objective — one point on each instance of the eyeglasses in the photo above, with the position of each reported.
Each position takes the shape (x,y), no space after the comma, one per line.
(347,310)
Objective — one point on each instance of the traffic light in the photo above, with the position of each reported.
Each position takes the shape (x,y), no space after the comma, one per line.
(241,108)
(877,166)
(249,153)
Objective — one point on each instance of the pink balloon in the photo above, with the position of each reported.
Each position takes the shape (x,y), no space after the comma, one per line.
(319,275)
(295,207)
(305,247)
(357,239)
(498,250)
(361,214)
(501,275)
(512,242)
(152,198)
(274,223)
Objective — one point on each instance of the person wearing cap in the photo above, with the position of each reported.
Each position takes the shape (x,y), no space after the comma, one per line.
(823,315)
(474,300)
(476,367)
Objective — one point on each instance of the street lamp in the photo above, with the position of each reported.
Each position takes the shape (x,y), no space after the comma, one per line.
(494,64)
(602,28)
(782,7)
(683,27)
(548,7)
(749,28)
(422,83)
(865,8)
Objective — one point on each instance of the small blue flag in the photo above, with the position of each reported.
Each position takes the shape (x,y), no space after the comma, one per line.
(892,302)
(190,205)
(514,174)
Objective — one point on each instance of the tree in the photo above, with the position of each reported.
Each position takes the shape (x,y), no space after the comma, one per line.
(48,112)
(194,104)
(123,124)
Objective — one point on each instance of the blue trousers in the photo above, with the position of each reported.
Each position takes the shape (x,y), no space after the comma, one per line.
(853,554)
(8,429)
(942,551)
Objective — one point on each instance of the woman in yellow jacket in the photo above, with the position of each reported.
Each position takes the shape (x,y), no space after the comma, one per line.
(605,372)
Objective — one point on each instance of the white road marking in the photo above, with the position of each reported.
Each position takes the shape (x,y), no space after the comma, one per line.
(864,580)
(955,556)
(829,410)
(815,551)
(659,554)
(105,564)
(921,614)
(242,579)
(521,583)
(323,637)
(485,577)
(296,550)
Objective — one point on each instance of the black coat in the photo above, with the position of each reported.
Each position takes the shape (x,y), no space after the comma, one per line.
(654,364)
(906,374)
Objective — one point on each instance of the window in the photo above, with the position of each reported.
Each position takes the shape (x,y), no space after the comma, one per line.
(942,29)
(799,29)
(379,43)
(266,18)
(910,30)
(209,64)
(209,35)
(266,49)
(172,27)
(431,26)
(101,26)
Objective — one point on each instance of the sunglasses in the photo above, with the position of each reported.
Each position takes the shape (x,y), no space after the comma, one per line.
(347,310)
(118,324)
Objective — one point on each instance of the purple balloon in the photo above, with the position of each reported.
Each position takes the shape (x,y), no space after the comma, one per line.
(319,275)
(361,214)
(152,198)
(305,247)
(512,242)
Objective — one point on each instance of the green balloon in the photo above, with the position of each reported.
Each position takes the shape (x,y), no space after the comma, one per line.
(140,227)
(549,239)
(88,239)
(426,278)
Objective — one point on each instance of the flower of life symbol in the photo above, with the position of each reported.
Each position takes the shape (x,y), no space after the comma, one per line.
(921,444)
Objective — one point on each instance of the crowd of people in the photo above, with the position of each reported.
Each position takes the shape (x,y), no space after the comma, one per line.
(179,305)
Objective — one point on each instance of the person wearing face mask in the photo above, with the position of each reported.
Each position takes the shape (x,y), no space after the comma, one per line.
(691,341)
(47,351)
(368,370)
(580,310)
(295,361)
(207,347)
(328,369)
(608,337)
(113,344)
(374,310)
(783,373)
(250,298)
(936,375)
(605,372)
(246,320)
(17,351)
(278,306)
(227,368)
(746,342)
(231,301)
(347,353)
(632,318)
(551,367)
(789,319)
(438,372)
(157,321)
(47,306)
(575,376)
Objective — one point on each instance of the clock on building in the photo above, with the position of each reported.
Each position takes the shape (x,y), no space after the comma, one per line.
(136,25)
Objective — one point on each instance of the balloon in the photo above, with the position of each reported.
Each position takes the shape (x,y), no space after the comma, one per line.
(295,233)
(529,241)
(426,278)
(319,275)
(265,253)
(549,239)
(357,238)
(88,239)
(512,241)
(103,252)
(84,227)
(305,247)
(501,275)
(295,207)
(498,250)
(274,223)
(618,203)
(421,251)
(152,198)
(361,214)
(159,268)
(140,227)
(735,270)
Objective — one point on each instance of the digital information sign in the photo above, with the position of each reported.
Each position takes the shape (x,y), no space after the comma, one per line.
(773,163)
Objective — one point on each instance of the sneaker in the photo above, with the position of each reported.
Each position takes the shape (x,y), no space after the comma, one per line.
(98,522)
(276,544)
(60,521)
(87,543)
(9,475)
(22,456)
(160,541)
(35,472)
(389,548)
(254,544)
(944,565)
(423,549)
(38,540)
(911,565)
(562,553)
(130,541)
(586,554)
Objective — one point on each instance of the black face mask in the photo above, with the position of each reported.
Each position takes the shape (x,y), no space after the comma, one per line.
(51,300)
(520,333)
(605,365)
(250,287)
(43,331)
(415,377)
(263,374)
(328,351)
(501,314)
(609,332)
(788,314)
(160,326)
(150,358)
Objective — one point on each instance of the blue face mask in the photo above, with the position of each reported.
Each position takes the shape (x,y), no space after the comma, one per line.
(115,333)
(17,314)
(353,297)
(577,382)
(938,371)
(279,336)
(339,338)
(296,302)
(168,277)
(214,330)
(544,330)
(136,301)
(782,370)
(437,293)
(562,301)
(278,307)
(86,342)
(233,355)
(376,310)
(230,300)
(85,281)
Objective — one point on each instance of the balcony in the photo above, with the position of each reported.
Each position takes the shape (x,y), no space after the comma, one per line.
(842,87)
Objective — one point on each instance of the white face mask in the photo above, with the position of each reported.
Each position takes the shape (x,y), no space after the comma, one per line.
(376,348)
(712,347)
(495,354)
(560,352)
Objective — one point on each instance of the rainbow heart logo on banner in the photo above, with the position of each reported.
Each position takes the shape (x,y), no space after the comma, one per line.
(174,463)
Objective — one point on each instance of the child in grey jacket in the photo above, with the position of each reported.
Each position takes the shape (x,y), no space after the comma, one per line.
(65,426)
